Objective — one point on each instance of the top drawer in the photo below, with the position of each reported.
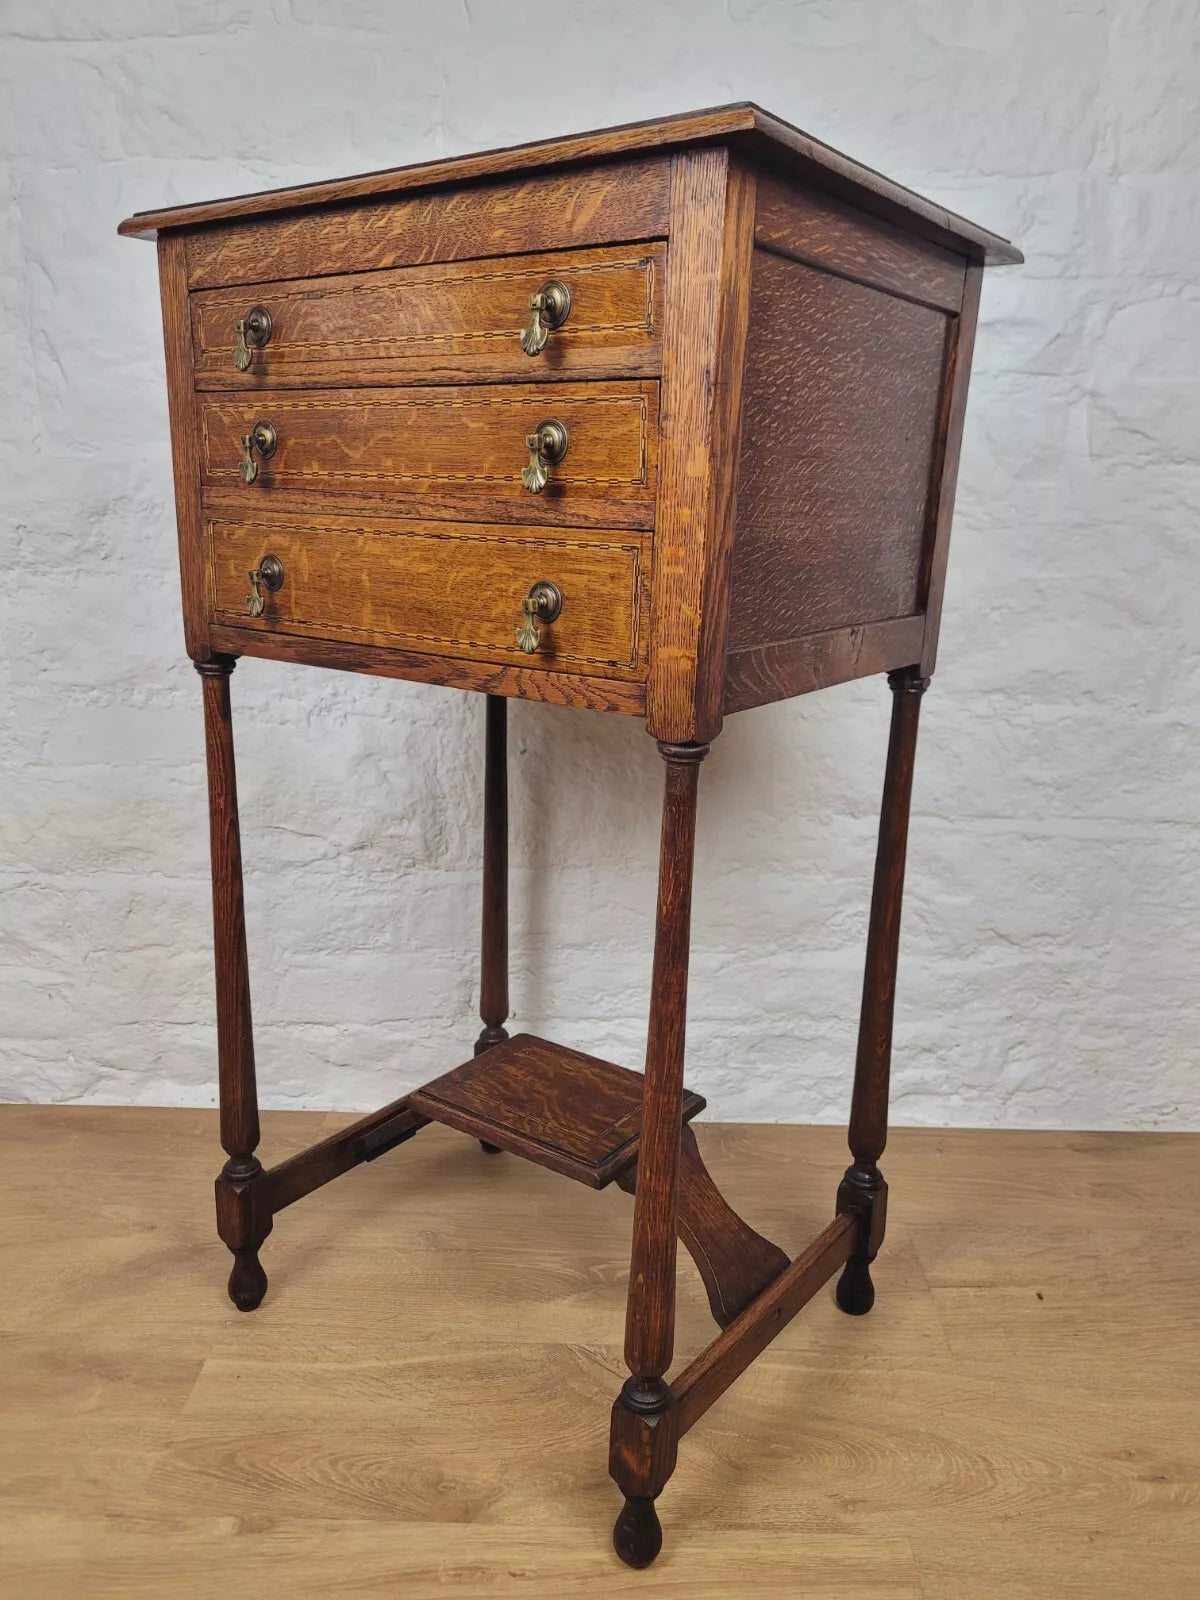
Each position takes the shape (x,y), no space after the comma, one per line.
(453,323)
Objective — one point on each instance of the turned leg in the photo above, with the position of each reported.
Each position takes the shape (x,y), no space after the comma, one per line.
(493,965)
(863,1188)
(243,1209)
(645,1417)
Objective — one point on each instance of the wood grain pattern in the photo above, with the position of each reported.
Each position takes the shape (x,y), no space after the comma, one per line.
(235,1031)
(185,449)
(734,1262)
(444,1560)
(573,1113)
(760,674)
(626,696)
(602,205)
(650,1312)
(450,323)
(706,1378)
(838,238)
(744,125)
(450,589)
(712,210)
(847,483)
(954,410)
(243,1208)
(868,1114)
(644,1421)
(841,412)
(365,1140)
(417,442)
(812,387)
(854,1461)
(863,1190)
(493,938)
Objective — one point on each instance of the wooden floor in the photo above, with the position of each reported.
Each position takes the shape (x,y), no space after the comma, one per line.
(420,1407)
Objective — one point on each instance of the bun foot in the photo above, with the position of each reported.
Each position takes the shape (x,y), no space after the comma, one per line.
(637,1533)
(247,1281)
(490,1149)
(855,1293)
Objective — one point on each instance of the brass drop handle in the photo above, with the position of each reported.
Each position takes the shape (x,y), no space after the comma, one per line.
(262,440)
(268,577)
(543,603)
(551,306)
(252,332)
(547,447)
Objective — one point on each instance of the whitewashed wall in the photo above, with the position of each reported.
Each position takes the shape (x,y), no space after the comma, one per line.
(1053,927)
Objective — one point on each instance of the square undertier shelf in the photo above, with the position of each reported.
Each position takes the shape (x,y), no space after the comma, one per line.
(573,1113)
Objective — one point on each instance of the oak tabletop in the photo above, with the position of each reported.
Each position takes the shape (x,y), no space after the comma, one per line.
(743,125)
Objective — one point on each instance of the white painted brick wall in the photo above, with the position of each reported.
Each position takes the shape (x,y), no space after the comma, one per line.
(1053,926)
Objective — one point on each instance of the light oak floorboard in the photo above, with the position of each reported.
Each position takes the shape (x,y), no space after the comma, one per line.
(420,1406)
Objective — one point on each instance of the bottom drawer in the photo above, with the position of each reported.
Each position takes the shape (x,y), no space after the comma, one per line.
(449,589)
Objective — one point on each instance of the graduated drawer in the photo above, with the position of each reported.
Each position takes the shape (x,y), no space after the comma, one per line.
(435,451)
(456,322)
(444,588)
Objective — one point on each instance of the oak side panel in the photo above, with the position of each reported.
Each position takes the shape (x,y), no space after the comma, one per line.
(842,402)
(827,233)
(946,477)
(594,206)
(708,286)
(185,453)
(765,673)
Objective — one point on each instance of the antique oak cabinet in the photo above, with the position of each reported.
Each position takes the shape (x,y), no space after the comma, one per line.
(661,421)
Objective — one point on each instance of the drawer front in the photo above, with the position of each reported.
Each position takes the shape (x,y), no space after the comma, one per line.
(440,446)
(444,324)
(447,589)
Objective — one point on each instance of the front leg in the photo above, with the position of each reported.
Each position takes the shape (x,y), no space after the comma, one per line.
(493,951)
(645,1416)
(243,1205)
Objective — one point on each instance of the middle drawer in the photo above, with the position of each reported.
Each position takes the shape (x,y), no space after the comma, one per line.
(567,453)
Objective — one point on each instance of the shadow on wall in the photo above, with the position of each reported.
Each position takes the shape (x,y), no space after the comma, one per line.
(586,796)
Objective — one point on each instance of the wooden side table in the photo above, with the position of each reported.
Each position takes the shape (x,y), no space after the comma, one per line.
(662,421)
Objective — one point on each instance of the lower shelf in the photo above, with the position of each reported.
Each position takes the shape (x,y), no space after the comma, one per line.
(573,1113)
